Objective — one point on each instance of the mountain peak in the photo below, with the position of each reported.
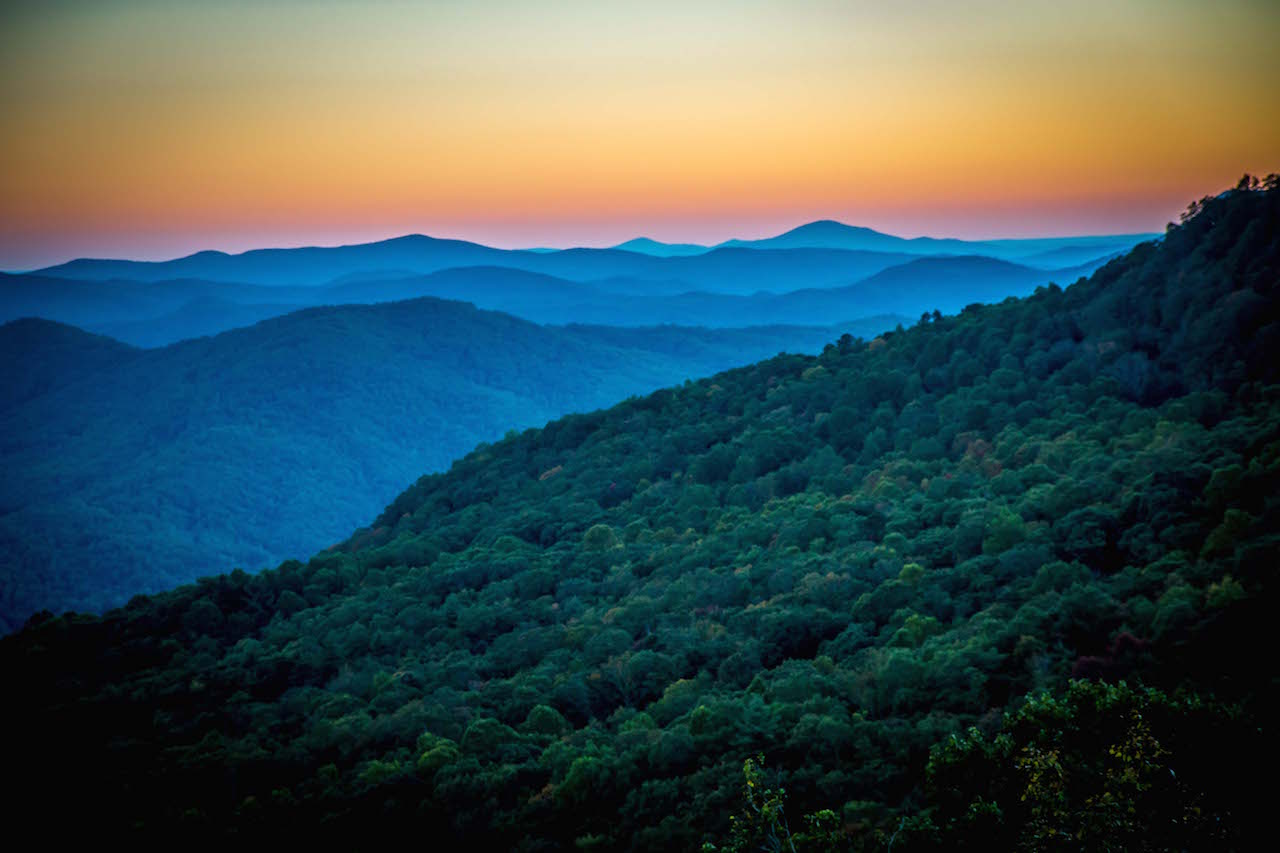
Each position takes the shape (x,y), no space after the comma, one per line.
(828,234)
(657,248)
(831,226)
(403,239)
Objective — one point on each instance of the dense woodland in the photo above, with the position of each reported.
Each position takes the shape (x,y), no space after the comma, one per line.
(995,581)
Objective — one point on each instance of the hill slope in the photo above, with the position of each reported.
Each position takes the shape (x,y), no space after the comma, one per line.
(132,471)
(575,636)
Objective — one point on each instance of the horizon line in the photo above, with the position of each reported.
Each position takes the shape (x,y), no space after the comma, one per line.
(287,245)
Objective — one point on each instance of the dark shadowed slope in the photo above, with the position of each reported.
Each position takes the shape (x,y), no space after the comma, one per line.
(132,470)
(851,564)
(39,357)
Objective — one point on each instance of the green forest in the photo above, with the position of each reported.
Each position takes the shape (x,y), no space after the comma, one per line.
(999,580)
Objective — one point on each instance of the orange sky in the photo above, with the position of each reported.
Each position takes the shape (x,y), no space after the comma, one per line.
(151,129)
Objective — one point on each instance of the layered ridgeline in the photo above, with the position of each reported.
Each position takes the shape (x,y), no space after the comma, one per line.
(575,637)
(909,290)
(814,254)
(840,270)
(158,313)
(133,471)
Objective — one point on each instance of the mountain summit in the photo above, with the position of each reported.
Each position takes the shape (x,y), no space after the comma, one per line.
(830,234)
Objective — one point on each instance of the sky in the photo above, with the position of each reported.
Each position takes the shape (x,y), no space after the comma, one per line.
(154,128)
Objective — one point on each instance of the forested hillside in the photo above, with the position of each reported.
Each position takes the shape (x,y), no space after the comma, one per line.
(133,471)
(1001,580)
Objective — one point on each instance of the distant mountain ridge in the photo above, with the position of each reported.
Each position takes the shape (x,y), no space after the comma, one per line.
(730,270)
(419,253)
(831,234)
(1057,251)
(300,266)
(640,282)
(159,313)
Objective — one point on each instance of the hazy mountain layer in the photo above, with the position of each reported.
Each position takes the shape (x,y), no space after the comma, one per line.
(154,314)
(814,255)
(908,290)
(727,270)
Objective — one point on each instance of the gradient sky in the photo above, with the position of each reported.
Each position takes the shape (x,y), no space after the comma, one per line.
(152,128)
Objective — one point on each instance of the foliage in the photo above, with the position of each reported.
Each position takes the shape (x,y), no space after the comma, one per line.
(761,824)
(1100,767)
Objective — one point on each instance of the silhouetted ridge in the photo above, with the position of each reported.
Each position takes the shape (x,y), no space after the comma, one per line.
(828,227)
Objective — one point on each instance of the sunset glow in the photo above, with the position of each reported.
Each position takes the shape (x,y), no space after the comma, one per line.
(151,129)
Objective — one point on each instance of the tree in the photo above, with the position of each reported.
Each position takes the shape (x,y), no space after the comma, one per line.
(1102,767)
(760,823)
